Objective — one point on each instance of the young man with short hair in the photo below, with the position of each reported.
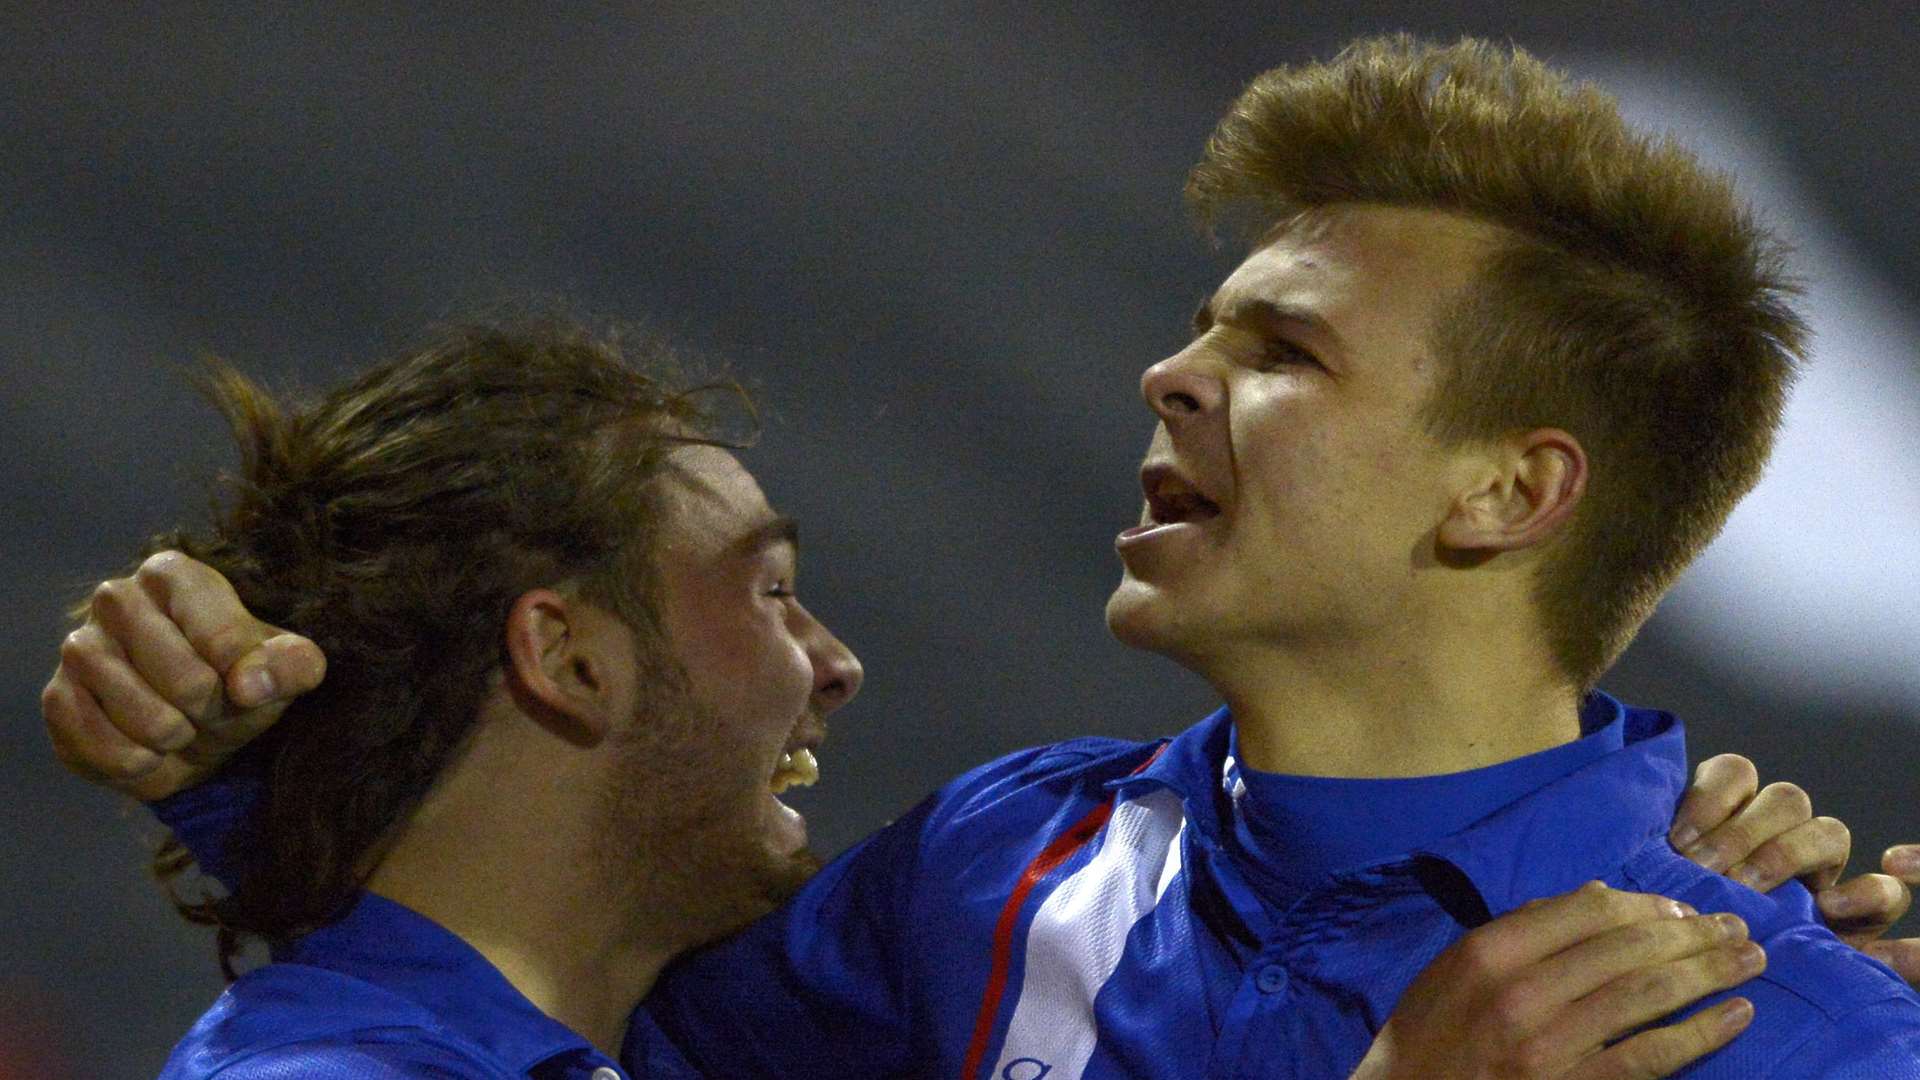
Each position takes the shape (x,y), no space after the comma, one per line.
(1495,370)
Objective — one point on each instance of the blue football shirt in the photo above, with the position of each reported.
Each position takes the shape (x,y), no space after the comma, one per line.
(386,993)
(1077,911)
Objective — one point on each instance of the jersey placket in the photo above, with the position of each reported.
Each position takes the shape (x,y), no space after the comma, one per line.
(1306,998)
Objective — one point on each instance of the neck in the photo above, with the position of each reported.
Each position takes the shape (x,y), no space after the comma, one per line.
(572,966)
(524,891)
(1419,709)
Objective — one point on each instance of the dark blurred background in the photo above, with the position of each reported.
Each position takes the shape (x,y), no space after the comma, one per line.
(943,241)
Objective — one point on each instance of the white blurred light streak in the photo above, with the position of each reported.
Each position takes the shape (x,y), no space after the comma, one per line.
(1814,586)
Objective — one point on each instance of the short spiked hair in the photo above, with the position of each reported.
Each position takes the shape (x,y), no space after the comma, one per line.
(1634,300)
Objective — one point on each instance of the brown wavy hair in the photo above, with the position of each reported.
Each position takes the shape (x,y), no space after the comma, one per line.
(1634,302)
(394,521)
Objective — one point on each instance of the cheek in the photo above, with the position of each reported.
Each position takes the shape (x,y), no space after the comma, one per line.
(1326,501)
(767,672)
(724,653)
(1288,480)
(788,667)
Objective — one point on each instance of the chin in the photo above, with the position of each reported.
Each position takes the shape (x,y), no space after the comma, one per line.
(1145,617)
(738,893)
(788,873)
(780,878)
(1139,616)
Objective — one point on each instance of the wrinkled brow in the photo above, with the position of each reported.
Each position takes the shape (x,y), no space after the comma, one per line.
(1257,310)
(1203,316)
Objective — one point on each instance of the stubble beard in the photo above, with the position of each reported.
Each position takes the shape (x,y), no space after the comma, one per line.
(681,835)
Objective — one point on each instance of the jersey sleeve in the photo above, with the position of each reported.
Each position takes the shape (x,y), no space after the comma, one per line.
(852,977)
(815,989)
(206,817)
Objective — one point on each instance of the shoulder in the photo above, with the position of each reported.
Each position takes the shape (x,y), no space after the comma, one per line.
(841,971)
(1032,785)
(366,1058)
(1804,959)
(286,1020)
(985,817)
(1821,1008)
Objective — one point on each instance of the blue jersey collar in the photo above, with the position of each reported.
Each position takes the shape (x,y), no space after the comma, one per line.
(1579,828)
(1574,830)
(391,946)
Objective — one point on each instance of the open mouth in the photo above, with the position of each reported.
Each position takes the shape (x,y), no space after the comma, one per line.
(1177,508)
(797,768)
(1171,500)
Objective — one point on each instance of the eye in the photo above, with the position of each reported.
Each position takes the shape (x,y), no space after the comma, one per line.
(782,590)
(1281,352)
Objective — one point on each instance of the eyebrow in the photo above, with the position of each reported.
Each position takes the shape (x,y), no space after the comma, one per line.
(1255,309)
(779,529)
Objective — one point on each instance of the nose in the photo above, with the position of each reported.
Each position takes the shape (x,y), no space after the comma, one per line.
(837,673)
(1181,387)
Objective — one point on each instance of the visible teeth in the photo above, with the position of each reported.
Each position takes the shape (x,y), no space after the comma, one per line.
(798,768)
(1180,506)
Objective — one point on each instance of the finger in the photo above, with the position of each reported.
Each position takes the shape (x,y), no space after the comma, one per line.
(1721,786)
(204,606)
(1815,852)
(214,746)
(1902,955)
(1864,908)
(1903,862)
(169,777)
(1666,1050)
(1598,961)
(92,747)
(97,665)
(1649,993)
(279,669)
(157,649)
(84,740)
(1546,927)
(1774,810)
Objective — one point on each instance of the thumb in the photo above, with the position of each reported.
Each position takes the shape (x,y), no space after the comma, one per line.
(278,669)
(1903,862)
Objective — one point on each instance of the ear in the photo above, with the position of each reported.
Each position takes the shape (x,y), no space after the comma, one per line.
(568,665)
(1535,481)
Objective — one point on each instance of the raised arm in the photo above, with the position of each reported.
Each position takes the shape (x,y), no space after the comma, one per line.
(169,675)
